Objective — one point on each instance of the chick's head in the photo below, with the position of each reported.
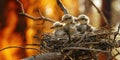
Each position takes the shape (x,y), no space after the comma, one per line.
(67,18)
(83,19)
(57,25)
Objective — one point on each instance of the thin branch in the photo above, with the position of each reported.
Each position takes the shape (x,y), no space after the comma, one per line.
(32,44)
(39,13)
(32,17)
(62,7)
(101,13)
(41,16)
(82,48)
(116,34)
(19,47)
(118,53)
(115,56)
(88,43)
(23,11)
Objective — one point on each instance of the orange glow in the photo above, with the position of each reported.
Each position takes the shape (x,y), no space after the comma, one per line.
(72,6)
(30,25)
(8,35)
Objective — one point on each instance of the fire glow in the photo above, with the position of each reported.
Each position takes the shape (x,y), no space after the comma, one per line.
(13,33)
(8,36)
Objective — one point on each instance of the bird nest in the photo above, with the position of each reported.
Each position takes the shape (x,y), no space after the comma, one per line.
(85,46)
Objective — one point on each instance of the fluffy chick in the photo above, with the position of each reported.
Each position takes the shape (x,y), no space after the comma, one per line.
(69,25)
(58,29)
(84,25)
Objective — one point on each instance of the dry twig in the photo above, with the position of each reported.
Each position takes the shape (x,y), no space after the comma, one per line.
(19,47)
(115,35)
(82,48)
(101,13)
(62,7)
(34,18)
(32,44)
(117,32)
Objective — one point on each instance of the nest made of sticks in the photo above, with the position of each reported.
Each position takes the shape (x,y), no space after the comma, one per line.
(83,46)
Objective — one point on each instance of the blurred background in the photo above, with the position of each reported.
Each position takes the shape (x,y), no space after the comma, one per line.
(18,30)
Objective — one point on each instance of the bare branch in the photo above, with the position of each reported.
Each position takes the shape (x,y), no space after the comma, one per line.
(21,6)
(19,47)
(88,43)
(62,7)
(39,13)
(115,35)
(117,32)
(118,53)
(32,44)
(34,18)
(101,13)
(82,48)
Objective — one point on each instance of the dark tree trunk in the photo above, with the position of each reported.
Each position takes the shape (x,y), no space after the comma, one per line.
(106,9)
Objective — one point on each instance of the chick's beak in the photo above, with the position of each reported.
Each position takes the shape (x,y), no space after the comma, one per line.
(52,27)
(61,25)
(76,20)
(62,21)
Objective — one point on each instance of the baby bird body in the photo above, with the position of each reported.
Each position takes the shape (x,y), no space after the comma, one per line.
(69,25)
(84,25)
(58,29)
(83,28)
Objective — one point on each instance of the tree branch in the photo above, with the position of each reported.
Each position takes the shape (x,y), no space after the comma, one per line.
(19,47)
(82,48)
(117,32)
(34,18)
(62,7)
(32,44)
(115,35)
(101,13)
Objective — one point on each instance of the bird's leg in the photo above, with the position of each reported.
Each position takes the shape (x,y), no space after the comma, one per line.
(55,36)
(69,38)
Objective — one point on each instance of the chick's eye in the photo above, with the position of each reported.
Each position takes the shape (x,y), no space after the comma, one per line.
(68,18)
(59,26)
(84,19)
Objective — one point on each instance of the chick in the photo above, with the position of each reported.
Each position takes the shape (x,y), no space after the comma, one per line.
(84,25)
(69,24)
(58,29)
